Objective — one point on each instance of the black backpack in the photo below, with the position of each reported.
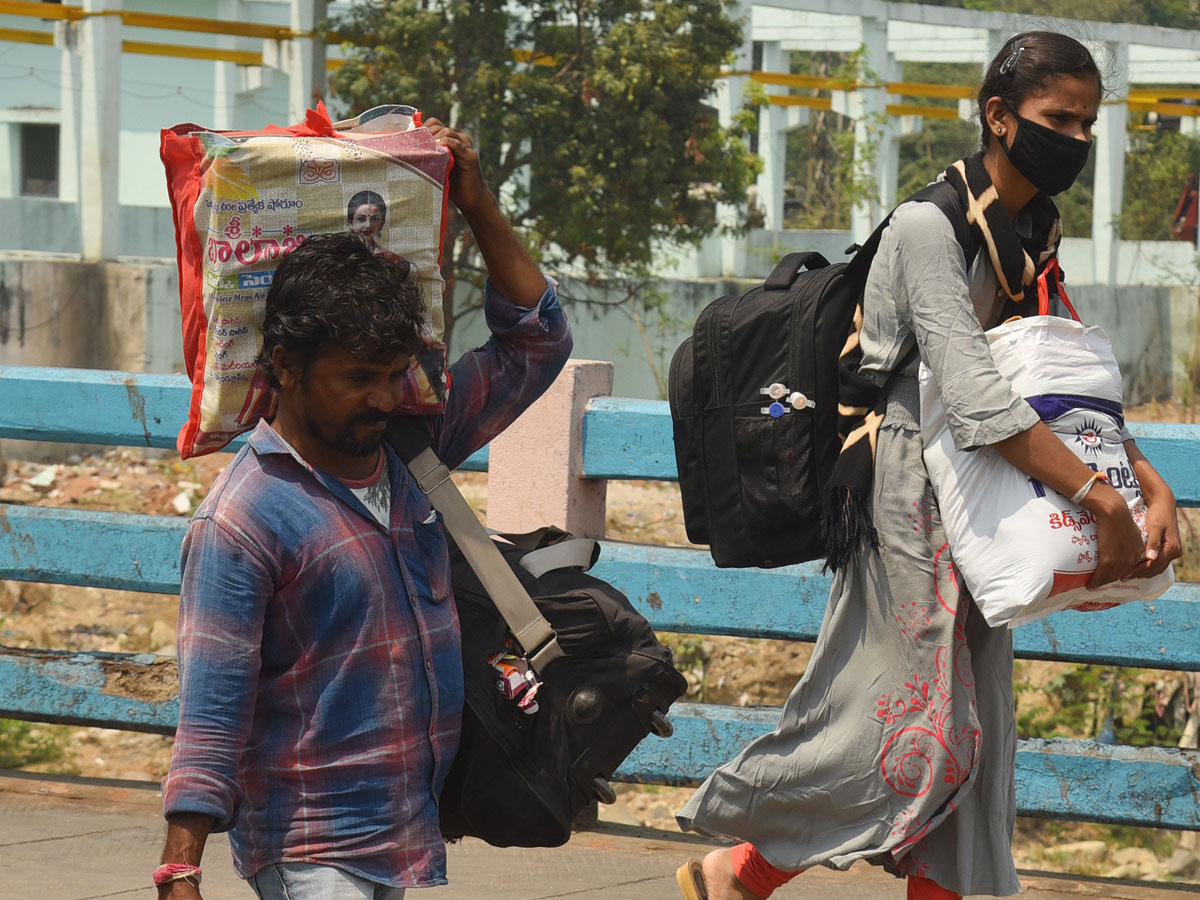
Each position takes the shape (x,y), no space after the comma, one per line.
(754,465)
(519,780)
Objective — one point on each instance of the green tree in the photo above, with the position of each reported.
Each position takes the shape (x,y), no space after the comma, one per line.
(1156,166)
(821,185)
(591,117)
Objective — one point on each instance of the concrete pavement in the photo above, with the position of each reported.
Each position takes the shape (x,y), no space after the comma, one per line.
(85,839)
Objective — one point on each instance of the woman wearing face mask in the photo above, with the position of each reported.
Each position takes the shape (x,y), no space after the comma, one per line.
(898,744)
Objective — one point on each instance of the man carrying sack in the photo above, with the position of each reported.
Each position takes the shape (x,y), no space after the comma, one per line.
(320,675)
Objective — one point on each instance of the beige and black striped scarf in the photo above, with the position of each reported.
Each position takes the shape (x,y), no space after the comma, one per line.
(1017,262)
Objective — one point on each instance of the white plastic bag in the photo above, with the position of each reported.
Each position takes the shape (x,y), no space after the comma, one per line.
(1024,550)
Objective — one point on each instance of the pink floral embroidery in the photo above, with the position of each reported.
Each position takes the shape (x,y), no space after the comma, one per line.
(921,518)
(952,574)
(914,620)
(927,747)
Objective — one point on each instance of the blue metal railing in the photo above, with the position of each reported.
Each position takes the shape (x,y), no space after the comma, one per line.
(676,589)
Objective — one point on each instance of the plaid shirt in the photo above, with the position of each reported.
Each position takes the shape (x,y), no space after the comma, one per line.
(320,678)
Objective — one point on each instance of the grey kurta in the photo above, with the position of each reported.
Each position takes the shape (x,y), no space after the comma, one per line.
(898,744)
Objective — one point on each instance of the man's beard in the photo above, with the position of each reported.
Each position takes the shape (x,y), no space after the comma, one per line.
(347,443)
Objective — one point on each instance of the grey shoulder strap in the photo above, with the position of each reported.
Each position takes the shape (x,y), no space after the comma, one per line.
(525,621)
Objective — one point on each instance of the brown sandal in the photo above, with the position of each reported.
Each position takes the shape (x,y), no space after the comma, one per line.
(690,877)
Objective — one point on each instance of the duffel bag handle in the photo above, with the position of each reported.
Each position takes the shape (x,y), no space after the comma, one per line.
(552,548)
(546,536)
(576,553)
(789,267)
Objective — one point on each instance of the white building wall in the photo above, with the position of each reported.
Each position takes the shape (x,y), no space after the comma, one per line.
(156,92)
(10,149)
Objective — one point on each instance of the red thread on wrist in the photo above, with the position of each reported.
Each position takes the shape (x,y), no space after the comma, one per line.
(169,872)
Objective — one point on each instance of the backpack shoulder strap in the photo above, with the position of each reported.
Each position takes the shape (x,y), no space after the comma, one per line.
(944,196)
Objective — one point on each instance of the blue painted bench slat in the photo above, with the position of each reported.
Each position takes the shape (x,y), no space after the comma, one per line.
(94,406)
(631,439)
(94,549)
(623,439)
(676,589)
(133,692)
(682,591)
(1063,779)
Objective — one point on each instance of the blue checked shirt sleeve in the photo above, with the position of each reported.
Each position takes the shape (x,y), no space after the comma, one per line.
(223,598)
(495,383)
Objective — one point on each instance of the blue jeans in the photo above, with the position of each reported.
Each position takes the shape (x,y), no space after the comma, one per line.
(310,881)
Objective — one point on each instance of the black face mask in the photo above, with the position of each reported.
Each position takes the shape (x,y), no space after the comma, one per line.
(1050,160)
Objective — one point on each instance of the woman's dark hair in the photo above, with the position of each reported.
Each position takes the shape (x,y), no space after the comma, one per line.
(365,198)
(1028,63)
(332,290)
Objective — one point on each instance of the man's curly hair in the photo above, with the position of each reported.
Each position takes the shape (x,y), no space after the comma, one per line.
(332,290)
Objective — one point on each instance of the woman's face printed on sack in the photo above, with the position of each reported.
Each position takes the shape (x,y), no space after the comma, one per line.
(367,220)
(366,214)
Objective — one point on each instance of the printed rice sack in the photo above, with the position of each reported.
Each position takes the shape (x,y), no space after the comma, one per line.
(241,200)
(1024,550)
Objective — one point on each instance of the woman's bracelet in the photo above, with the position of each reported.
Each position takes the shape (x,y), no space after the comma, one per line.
(1080,494)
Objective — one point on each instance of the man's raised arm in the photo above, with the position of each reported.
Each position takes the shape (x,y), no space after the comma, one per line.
(510,267)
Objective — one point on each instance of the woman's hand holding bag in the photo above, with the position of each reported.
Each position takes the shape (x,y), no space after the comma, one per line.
(1024,549)
(1120,545)
(1163,543)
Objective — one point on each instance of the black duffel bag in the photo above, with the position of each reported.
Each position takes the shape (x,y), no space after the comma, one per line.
(520,778)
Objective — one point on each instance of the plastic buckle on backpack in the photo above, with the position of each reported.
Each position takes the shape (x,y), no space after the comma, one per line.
(545,654)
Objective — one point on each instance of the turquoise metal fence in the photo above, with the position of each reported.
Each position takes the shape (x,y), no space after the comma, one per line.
(676,589)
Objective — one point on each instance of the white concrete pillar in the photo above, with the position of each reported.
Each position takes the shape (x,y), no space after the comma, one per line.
(772,143)
(535,468)
(887,166)
(728,100)
(876,148)
(227,77)
(1109,186)
(100,130)
(968,110)
(306,60)
(66,38)
(996,38)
